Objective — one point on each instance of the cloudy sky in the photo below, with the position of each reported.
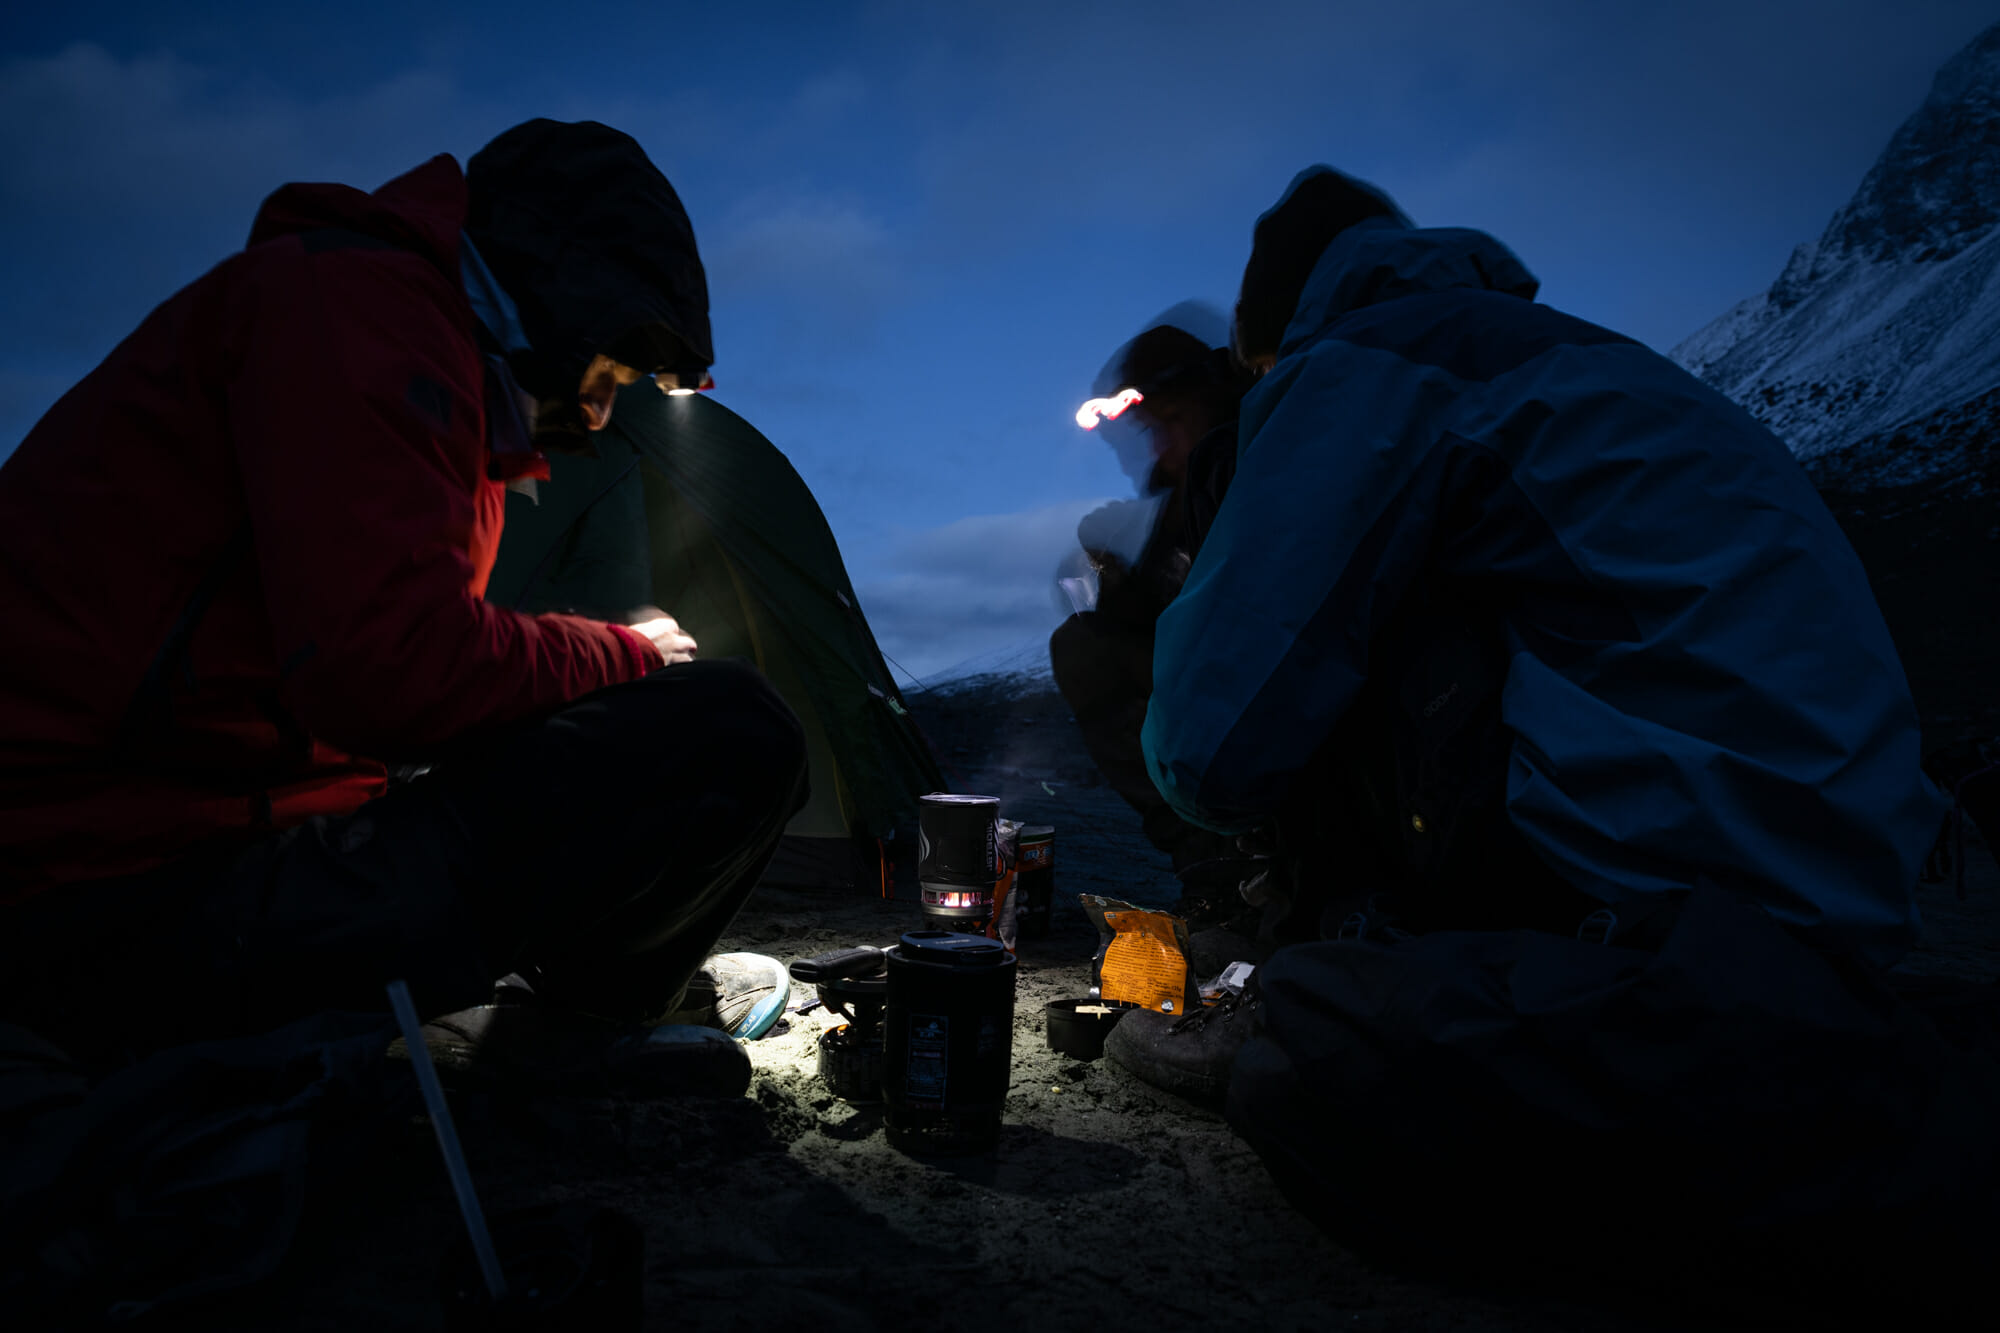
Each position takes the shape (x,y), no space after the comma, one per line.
(926,226)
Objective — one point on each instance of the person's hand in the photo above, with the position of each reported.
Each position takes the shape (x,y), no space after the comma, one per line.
(664,632)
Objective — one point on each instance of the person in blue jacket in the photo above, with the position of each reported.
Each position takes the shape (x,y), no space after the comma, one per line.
(1507,614)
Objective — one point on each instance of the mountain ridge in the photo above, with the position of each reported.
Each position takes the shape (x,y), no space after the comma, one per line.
(1884,333)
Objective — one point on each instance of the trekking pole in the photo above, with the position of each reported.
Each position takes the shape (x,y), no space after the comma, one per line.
(447,1137)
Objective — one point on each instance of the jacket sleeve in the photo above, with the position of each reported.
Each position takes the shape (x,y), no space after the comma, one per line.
(1328,517)
(355,413)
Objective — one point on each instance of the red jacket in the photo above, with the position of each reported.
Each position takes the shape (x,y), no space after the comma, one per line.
(303,428)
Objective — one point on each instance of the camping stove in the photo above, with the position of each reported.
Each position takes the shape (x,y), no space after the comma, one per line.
(852,983)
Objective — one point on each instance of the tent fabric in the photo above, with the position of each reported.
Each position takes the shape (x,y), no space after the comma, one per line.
(688,508)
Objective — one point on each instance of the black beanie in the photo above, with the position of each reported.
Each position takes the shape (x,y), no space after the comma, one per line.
(1318,205)
(1162,357)
(591,242)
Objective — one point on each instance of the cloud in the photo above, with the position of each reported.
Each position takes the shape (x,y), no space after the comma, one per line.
(829,95)
(971,586)
(84,129)
(814,248)
(127,177)
(808,280)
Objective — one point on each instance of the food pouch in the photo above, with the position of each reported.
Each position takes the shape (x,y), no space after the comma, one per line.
(1004,923)
(1142,957)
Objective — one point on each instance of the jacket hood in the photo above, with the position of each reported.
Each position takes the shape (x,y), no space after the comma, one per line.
(593,245)
(1197,322)
(422,210)
(1380,260)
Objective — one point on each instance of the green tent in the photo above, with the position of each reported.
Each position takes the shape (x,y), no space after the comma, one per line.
(688,508)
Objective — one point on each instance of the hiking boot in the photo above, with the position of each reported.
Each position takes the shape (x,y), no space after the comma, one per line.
(1189,1056)
(697,1004)
(742,994)
(513,989)
(540,1048)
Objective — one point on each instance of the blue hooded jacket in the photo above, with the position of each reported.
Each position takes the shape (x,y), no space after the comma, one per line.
(1698,679)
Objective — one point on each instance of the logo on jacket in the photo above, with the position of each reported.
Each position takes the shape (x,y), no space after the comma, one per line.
(1431,708)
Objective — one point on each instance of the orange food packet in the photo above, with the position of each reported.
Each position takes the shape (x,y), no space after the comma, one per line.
(1142,957)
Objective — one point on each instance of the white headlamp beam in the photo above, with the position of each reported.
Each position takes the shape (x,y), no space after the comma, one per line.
(1107,409)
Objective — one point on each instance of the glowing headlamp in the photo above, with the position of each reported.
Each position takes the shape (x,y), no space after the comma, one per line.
(1107,409)
(675,385)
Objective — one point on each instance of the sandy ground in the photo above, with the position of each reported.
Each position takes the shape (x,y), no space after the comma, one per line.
(1106,1206)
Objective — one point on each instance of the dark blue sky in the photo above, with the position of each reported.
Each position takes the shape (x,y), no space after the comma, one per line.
(926,225)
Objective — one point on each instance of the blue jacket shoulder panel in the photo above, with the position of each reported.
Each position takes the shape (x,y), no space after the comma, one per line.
(1700,681)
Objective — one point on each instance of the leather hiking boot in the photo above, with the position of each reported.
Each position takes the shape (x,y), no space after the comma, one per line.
(543,1049)
(742,994)
(750,992)
(1190,1055)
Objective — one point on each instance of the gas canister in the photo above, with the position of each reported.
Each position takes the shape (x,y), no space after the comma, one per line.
(948,1026)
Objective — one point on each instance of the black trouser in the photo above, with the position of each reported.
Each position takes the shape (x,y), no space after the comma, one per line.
(599,851)
(1104,668)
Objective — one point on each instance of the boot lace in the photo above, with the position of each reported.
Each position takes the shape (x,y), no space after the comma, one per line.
(1223,1010)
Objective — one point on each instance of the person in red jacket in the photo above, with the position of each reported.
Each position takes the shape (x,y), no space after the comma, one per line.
(241,569)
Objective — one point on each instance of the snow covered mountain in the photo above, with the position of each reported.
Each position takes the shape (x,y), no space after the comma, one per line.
(1876,353)
(1018,669)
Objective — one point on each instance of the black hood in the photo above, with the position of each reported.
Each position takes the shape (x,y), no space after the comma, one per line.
(592,244)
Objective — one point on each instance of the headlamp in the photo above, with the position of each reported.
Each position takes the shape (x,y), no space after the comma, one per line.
(1107,409)
(680,384)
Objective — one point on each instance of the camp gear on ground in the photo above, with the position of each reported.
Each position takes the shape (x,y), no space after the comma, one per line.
(1035,885)
(1142,956)
(949,1042)
(1231,980)
(1668,591)
(960,860)
(539,1048)
(1078,1027)
(852,983)
(575,1266)
(866,960)
(1732,1097)
(848,1060)
(750,993)
(688,508)
(1189,1055)
(187,515)
(1005,923)
(599,853)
